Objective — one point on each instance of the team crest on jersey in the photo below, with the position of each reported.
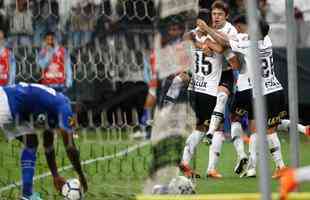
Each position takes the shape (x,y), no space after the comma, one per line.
(72,122)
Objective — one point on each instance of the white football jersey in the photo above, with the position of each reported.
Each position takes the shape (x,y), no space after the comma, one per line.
(208,68)
(228,29)
(270,83)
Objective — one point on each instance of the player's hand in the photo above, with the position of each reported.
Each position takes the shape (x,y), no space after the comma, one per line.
(59,181)
(206,49)
(185,77)
(84,183)
(201,24)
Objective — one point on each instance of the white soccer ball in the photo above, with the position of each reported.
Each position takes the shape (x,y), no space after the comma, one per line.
(71,190)
(181,185)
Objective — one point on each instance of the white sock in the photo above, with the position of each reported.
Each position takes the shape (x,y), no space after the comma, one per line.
(215,122)
(236,131)
(190,145)
(175,87)
(275,149)
(221,101)
(253,151)
(301,128)
(285,124)
(218,112)
(303,174)
(215,150)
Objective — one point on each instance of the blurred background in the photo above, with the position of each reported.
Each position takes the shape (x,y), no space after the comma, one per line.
(109,42)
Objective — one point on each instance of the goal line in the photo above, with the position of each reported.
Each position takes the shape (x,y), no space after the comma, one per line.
(241,196)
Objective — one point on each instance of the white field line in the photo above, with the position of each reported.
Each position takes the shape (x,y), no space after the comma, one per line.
(85,162)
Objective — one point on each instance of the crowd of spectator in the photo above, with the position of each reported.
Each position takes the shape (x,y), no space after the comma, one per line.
(73,22)
(274,13)
(76,22)
(58,29)
(270,10)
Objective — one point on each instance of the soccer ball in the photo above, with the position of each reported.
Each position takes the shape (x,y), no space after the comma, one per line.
(181,185)
(71,190)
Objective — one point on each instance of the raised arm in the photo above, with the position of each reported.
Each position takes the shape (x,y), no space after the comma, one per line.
(218,37)
(188,36)
(214,46)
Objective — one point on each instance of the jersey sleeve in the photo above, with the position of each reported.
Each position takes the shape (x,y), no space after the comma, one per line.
(233,32)
(66,119)
(240,43)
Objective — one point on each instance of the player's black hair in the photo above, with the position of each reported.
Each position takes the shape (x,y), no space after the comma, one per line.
(204,14)
(49,33)
(263,25)
(175,20)
(240,19)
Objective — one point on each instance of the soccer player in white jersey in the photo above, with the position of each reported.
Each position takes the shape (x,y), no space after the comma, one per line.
(272,89)
(219,15)
(219,11)
(207,75)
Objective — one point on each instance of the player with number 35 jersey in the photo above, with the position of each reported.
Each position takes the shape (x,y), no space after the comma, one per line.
(203,88)
(272,89)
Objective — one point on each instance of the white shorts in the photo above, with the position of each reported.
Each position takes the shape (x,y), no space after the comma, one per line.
(5,113)
(10,128)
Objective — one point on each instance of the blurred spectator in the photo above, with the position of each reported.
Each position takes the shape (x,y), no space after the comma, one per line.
(7,63)
(46,13)
(55,62)
(172,34)
(20,21)
(175,30)
(263,7)
(3,7)
(82,23)
(302,27)
(299,16)
(236,7)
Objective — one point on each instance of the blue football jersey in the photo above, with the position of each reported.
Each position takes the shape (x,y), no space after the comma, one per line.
(34,99)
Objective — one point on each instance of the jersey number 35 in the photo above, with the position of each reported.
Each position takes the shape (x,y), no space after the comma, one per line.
(202,65)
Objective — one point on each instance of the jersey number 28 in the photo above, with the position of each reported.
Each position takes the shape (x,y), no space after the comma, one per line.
(267,67)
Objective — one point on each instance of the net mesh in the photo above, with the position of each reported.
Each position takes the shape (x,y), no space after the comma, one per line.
(110,44)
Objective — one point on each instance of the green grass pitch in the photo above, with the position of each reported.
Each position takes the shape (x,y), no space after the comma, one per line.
(122,177)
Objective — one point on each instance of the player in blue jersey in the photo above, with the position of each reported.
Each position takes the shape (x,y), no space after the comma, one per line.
(17,104)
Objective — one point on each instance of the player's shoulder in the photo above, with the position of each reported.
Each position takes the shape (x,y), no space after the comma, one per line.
(267,40)
(265,43)
(229,29)
(242,37)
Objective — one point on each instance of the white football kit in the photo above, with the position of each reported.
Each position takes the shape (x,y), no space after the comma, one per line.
(208,68)
(270,83)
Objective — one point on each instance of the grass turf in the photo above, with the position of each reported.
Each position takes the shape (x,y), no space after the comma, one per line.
(123,177)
